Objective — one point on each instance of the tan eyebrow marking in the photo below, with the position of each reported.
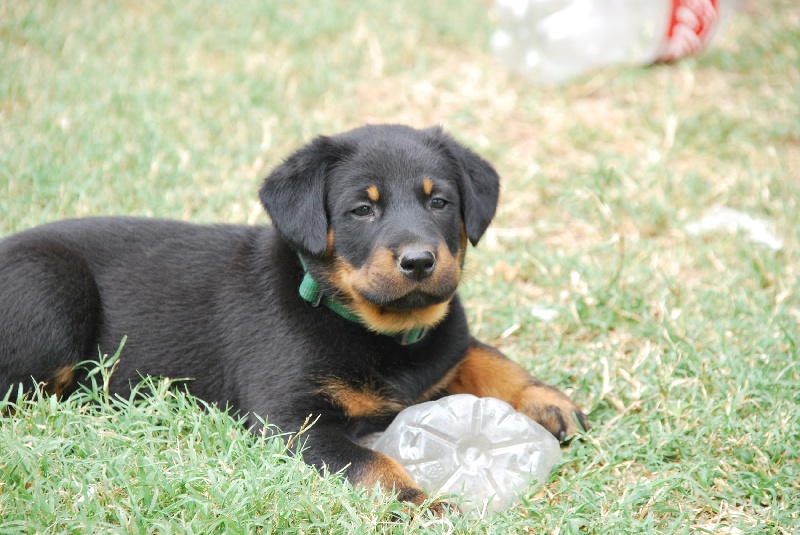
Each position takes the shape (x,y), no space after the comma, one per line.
(373,193)
(427,186)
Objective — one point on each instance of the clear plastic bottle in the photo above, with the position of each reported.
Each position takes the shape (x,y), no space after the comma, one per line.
(554,40)
(480,451)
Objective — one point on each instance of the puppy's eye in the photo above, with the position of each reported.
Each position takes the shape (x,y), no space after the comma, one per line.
(364,210)
(438,203)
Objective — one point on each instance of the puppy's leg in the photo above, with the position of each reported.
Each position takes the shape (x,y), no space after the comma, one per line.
(49,313)
(364,467)
(485,372)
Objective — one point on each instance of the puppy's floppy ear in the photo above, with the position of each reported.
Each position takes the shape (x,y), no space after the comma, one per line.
(294,194)
(479,184)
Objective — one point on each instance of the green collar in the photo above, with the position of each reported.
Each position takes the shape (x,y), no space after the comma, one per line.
(311,292)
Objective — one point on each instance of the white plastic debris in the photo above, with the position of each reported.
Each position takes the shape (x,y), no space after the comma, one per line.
(480,451)
(724,219)
(551,41)
(544,313)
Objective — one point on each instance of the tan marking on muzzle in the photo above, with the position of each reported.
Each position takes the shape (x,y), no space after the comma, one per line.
(381,275)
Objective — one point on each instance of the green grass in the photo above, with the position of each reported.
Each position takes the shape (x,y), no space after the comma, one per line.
(161,462)
(682,348)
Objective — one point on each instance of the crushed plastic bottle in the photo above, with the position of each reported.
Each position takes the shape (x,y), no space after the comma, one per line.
(551,41)
(478,451)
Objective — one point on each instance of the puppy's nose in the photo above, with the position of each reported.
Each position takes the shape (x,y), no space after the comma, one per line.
(417,264)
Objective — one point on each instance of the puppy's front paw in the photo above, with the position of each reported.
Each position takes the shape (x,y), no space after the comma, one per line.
(380,468)
(554,410)
(421,500)
(443,508)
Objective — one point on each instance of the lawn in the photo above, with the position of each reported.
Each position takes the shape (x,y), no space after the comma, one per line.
(600,274)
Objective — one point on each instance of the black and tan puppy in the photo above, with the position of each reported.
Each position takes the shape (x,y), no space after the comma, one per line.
(346,310)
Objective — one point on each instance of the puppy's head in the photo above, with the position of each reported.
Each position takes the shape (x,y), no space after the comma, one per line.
(382,215)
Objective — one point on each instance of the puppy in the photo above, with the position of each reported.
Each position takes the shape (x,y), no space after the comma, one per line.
(346,310)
